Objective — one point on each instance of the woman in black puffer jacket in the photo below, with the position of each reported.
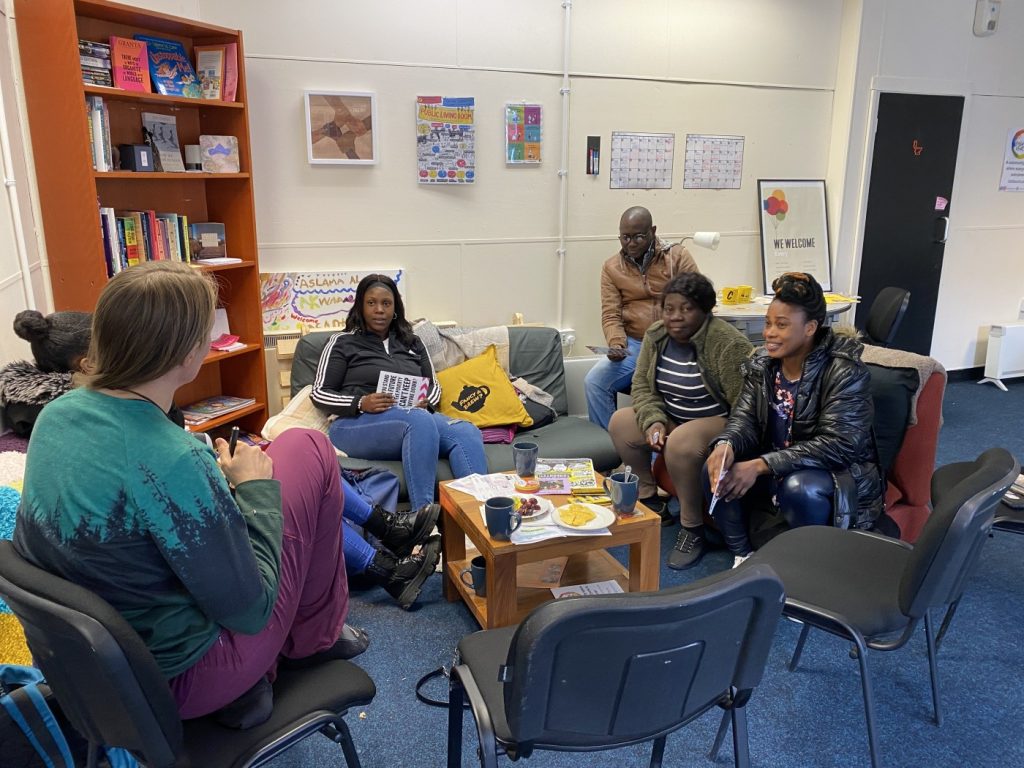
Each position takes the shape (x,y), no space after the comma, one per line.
(798,448)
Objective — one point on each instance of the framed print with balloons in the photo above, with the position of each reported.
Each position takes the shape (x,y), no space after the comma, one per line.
(794,229)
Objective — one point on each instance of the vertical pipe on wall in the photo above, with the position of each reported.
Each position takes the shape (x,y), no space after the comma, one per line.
(7,166)
(563,164)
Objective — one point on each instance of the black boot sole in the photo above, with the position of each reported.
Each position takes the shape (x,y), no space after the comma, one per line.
(411,591)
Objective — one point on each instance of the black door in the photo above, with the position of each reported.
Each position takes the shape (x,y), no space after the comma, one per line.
(909,201)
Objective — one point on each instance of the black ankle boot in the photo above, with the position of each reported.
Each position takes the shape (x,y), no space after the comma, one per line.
(403,578)
(401,531)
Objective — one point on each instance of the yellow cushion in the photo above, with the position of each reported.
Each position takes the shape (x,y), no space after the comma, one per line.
(479,391)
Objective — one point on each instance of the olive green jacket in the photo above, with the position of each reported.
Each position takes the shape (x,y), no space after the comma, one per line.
(721,350)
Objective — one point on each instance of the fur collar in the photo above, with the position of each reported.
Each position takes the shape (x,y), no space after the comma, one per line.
(23,382)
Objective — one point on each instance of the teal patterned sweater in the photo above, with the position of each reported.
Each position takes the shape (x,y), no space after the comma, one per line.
(123,502)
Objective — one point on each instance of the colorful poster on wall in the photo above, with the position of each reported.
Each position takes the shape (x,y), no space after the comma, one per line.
(713,162)
(522,133)
(794,229)
(316,301)
(1012,179)
(642,160)
(445,140)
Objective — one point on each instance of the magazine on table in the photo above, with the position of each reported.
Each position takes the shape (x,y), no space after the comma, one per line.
(580,473)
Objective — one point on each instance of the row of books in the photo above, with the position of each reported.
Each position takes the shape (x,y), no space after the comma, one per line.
(98,118)
(132,237)
(95,61)
(146,64)
(212,407)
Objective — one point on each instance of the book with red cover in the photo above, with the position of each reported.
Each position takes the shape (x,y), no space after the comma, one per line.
(130,66)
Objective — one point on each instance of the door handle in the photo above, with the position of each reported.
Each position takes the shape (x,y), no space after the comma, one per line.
(945,229)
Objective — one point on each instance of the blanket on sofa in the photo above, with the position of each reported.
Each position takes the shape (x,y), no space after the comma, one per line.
(451,346)
(898,358)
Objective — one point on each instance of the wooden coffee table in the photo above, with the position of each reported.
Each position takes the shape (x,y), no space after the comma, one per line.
(589,561)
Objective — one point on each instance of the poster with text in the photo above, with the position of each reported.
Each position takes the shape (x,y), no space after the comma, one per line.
(316,301)
(794,230)
(1012,179)
(522,133)
(445,140)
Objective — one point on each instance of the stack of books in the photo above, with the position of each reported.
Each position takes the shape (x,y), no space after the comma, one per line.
(95,60)
(212,407)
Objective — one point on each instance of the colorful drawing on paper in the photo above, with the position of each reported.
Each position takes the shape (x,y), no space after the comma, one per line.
(445,140)
(522,133)
(713,162)
(315,301)
(340,128)
(642,160)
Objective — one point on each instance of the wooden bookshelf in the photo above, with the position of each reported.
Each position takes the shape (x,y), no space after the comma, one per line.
(71,190)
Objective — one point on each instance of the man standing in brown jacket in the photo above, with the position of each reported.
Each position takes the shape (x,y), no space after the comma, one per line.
(631,285)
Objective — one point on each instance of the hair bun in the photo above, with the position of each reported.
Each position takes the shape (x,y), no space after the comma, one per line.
(31,325)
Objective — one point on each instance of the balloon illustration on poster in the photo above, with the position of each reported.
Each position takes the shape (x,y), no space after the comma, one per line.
(775,206)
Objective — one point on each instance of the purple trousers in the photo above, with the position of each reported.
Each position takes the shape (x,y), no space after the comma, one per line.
(312,595)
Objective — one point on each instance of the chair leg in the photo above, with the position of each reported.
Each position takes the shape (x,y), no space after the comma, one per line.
(933,665)
(348,747)
(869,706)
(92,759)
(658,751)
(799,647)
(740,747)
(946,621)
(455,706)
(723,728)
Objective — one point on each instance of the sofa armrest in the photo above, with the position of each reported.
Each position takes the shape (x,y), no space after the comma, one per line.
(912,470)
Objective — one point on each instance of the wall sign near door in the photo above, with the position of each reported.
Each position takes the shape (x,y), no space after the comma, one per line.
(794,229)
(1012,179)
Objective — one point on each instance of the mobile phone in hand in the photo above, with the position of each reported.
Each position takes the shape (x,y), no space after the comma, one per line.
(233,441)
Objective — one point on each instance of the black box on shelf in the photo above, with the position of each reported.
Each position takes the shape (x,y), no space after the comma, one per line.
(136,157)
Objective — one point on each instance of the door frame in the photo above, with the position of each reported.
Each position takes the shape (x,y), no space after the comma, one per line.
(912,85)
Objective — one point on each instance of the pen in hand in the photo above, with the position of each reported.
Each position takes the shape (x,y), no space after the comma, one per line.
(714,494)
(233,441)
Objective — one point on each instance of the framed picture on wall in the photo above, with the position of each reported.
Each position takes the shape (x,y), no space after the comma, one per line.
(794,229)
(341,127)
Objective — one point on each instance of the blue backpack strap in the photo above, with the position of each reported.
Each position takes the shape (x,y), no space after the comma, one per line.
(28,708)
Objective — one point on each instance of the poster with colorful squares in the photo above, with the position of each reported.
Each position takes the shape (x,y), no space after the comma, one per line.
(522,133)
(445,140)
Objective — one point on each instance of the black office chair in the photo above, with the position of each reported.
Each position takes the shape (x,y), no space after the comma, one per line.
(111,690)
(885,315)
(874,590)
(589,673)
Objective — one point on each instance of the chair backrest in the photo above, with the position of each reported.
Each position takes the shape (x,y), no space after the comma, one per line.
(886,314)
(105,679)
(949,545)
(617,669)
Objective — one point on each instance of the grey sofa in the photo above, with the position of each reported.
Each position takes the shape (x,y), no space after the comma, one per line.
(535,354)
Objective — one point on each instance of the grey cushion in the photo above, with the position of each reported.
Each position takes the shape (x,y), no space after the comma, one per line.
(891,390)
(535,354)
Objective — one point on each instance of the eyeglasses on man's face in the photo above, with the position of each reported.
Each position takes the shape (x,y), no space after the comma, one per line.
(633,237)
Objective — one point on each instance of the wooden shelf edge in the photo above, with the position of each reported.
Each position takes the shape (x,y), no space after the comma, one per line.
(157,98)
(221,267)
(177,176)
(215,357)
(227,418)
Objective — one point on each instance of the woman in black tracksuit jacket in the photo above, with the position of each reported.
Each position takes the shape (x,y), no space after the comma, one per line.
(798,448)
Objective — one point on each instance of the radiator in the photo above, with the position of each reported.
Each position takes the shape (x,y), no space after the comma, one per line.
(1004,358)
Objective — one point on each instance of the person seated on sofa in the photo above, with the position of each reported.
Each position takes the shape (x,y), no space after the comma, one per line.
(222,563)
(377,337)
(687,378)
(393,564)
(798,447)
(59,342)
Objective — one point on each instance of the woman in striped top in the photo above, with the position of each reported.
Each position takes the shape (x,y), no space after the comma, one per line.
(687,378)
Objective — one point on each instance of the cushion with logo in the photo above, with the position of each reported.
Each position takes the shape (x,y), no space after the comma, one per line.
(479,391)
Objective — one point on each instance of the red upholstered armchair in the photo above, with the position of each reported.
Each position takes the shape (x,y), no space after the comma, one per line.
(909,451)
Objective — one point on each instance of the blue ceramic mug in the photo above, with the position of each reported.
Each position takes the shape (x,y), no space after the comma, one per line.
(501,517)
(624,490)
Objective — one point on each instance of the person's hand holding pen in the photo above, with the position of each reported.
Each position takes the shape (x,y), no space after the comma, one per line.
(656,434)
(241,462)
(730,480)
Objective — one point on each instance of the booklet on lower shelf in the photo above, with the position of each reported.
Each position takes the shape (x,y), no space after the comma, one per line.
(609,587)
(211,407)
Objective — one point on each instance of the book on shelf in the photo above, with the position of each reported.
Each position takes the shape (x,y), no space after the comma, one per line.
(210,69)
(162,131)
(207,240)
(130,68)
(220,154)
(94,48)
(579,473)
(99,133)
(94,59)
(212,407)
(170,68)
(172,236)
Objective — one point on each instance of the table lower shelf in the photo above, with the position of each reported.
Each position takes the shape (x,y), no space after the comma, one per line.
(581,568)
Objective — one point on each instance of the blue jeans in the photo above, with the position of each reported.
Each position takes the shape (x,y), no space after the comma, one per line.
(419,438)
(358,551)
(604,382)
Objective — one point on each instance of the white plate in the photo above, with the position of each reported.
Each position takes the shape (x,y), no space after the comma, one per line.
(604,518)
(545,506)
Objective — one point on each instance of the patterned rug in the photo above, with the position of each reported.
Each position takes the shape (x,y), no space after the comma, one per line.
(12,470)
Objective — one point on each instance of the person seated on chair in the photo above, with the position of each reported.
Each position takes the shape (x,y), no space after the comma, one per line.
(798,448)
(222,563)
(687,378)
(377,338)
(391,564)
(631,284)
(59,345)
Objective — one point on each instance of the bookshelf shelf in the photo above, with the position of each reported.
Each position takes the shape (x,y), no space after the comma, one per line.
(227,418)
(69,186)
